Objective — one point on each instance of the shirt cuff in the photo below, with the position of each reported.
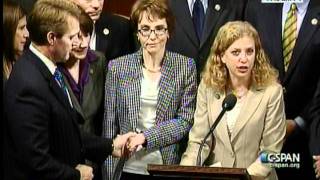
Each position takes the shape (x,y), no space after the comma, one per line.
(300,122)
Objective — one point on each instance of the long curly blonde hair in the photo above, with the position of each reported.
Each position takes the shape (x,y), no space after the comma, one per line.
(216,75)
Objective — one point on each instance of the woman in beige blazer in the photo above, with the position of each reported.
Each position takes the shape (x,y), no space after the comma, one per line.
(237,64)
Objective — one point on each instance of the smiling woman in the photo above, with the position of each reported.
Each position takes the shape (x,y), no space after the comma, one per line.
(14,24)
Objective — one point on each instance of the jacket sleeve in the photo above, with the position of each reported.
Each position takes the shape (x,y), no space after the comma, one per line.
(29,127)
(173,130)
(198,131)
(273,133)
(110,122)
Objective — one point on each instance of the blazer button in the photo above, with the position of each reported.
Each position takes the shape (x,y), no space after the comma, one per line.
(284,90)
(232,154)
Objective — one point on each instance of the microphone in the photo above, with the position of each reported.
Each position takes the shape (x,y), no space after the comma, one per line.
(228,103)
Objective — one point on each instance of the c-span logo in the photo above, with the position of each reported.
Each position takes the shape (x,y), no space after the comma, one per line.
(281,160)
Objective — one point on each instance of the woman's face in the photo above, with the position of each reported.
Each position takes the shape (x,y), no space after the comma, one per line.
(239,58)
(152,33)
(20,38)
(80,48)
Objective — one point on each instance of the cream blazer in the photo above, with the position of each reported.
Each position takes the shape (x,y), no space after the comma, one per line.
(260,127)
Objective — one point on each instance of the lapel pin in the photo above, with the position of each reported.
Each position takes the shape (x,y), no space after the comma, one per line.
(217,96)
(314,21)
(217,7)
(106,31)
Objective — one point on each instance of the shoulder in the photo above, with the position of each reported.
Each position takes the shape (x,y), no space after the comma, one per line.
(111,20)
(274,87)
(180,60)
(124,62)
(274,91)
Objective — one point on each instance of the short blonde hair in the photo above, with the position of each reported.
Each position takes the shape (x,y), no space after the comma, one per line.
(215,74)
(50,15)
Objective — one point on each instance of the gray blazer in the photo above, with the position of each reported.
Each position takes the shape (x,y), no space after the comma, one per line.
(175,106)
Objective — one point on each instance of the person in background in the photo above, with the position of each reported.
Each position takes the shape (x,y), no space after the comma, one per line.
(293,45)
(112,34)
(256,125)
(314,136)
(151,92)
(26,4)
(85,72)
(42,139)
(15,36)
(197,23)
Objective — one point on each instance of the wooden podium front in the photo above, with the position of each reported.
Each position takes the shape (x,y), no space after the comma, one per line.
(196,172)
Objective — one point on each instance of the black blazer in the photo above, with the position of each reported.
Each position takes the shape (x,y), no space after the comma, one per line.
(300,81)
(42,138)
(115,36)
(185,41)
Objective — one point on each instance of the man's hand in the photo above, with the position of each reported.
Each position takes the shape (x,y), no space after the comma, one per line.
(291,126)
(119,144)
(316,166)
(135,142)
(85,172)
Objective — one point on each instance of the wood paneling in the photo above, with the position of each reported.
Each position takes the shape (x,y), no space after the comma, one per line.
(122,7)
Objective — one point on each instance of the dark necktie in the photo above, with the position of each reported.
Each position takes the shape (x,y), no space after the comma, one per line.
(198,17)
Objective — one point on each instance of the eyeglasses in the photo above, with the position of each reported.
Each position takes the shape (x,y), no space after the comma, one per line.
(158,31)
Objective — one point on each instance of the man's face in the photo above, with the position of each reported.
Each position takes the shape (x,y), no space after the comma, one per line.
(63,45)
(92,7)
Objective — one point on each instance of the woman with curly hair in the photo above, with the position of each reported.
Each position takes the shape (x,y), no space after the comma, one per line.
(256,125)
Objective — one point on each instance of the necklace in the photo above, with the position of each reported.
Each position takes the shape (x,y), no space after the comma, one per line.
(151,70)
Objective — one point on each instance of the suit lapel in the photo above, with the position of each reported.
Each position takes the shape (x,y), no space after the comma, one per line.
(52,82)
(276,31)
(132,83)
(180,8)
(212,16)
(74,100)
(305,35)
(214,109)
(249,107)
(53,85)
(166,87)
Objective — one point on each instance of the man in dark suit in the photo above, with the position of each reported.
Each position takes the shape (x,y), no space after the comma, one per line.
(314,144)
(42,138)
(216,13)
(300,78)
(112,34)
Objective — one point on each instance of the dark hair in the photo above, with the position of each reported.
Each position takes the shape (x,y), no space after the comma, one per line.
(12,13)
(50,15)
(86,23)
(155,8)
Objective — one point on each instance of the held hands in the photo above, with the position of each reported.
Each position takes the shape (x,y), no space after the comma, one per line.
(125,145)
(119,144)
(135,142)
(85,172)
(316,166)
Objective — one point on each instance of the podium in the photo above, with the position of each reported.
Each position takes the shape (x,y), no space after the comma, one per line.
(178,172)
